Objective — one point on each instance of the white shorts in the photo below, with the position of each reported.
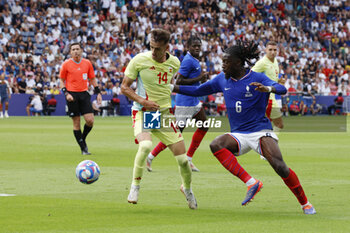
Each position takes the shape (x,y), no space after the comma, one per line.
(182,113)
(249,141)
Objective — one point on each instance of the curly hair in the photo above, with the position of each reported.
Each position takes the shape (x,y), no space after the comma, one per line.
(245,51)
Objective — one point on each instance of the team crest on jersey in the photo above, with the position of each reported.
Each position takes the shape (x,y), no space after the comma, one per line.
(248,93)
(152,68)
(170,69)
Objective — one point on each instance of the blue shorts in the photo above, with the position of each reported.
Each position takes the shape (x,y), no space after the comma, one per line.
(4,99)
(32,109)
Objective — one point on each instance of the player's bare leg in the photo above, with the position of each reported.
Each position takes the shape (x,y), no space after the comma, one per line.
(179,152)
(145,146)
(272,153)
(224,148)
(277,127)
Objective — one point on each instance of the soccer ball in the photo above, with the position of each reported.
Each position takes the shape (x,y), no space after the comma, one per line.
(87,172)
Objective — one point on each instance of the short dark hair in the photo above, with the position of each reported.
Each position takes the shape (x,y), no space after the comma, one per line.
(160,35)
(271,42)
(245,51)
(192,39)
(74,43)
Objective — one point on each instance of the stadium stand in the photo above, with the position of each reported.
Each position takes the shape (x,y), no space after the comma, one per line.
(313,36)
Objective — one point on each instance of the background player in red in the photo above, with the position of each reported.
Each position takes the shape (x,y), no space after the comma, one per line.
(75,74)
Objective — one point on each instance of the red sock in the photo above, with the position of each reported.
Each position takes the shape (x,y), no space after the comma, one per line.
(294,185)
(159,148)
(196,140)
(229,161)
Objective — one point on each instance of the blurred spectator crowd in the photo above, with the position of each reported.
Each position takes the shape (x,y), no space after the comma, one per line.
(313,38)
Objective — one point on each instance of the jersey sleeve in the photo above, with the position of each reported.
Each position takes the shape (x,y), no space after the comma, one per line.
(177,64)
(266,81)
(131,70)
(63,71)
(210,87)
(91,73)
(185,68)
(259,66)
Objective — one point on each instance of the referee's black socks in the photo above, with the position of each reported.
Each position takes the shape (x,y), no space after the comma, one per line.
(86,131)
(79,138)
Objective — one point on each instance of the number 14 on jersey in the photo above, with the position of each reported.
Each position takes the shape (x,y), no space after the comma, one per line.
(162,77)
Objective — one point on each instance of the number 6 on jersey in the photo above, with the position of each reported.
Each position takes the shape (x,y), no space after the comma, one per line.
(238,106)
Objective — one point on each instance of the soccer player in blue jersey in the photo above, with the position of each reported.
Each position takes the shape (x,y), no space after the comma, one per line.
(5,95)
(187,107)
(247,94)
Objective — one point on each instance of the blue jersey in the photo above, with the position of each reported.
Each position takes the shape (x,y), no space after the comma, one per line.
(190,68)
(3,89)
(245,106)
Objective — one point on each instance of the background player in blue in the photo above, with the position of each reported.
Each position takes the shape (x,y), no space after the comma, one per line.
(5,95)
(246,94)
(188,107)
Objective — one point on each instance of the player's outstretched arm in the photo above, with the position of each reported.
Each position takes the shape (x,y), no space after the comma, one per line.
(275,88)
(182,80)
(202,90)
(130,93)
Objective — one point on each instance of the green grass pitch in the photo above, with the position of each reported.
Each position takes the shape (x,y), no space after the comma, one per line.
(38,156)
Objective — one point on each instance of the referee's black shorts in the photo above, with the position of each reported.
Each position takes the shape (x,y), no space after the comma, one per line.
(81,104)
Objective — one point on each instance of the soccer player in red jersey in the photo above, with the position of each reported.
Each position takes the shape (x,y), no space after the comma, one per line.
(76,73)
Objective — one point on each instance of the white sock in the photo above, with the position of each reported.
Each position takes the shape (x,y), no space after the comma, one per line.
(250,181)
(308,203)
(189,158)
(150,156)
(6,112)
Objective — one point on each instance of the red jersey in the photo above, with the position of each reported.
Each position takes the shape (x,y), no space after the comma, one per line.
(76,75)
(52,102)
